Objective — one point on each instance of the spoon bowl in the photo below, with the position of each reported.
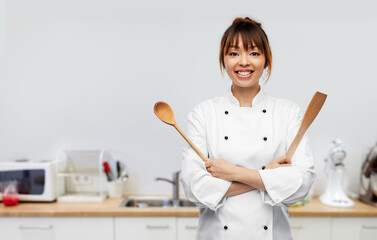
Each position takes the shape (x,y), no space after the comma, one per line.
(164,112)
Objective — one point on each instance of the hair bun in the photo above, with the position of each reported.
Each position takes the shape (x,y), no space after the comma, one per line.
(248,20)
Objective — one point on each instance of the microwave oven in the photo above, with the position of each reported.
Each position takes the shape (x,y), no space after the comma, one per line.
(36,181)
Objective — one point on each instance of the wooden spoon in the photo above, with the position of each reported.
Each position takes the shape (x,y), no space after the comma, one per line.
(311,113)
(165,113)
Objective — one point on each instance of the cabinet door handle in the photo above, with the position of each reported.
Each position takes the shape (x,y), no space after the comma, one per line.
(191,227)
(157,226)
(296,227)
(35,226)
(368,227)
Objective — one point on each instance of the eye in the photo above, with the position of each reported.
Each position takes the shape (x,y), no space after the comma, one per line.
(255,54)
(232,54)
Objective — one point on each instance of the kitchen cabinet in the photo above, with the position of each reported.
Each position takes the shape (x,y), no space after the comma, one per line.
(170,228)
(148,228)
(302,228)
(73,228)
(145,228)
(186,228)
(106,221)
(305,228)
(354,228)
(333,228)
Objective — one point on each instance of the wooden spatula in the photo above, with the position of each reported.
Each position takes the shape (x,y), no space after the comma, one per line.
(311,113)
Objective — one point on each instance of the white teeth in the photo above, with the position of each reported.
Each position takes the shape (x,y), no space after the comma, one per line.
(244,73)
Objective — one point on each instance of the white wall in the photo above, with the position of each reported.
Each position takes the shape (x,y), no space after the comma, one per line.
(3,32)
(82,74)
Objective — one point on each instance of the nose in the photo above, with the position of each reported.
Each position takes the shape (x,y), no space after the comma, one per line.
(244,60)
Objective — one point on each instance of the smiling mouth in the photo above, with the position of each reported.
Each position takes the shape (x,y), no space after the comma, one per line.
(244,73)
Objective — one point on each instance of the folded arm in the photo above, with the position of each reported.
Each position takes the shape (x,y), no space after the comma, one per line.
(243,179)
(237,188)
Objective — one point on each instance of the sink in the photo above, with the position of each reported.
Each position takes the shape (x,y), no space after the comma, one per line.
(154,203)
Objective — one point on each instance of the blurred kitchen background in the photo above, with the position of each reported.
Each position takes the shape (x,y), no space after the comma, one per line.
(85,74)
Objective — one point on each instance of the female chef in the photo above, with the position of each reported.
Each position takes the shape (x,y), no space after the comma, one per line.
(244,189)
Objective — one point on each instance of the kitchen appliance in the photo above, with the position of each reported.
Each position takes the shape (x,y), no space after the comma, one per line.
(36,180)
(368,178)
(334,194)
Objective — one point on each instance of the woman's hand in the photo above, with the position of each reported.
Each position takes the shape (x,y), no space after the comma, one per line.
(282,161)
(221,168)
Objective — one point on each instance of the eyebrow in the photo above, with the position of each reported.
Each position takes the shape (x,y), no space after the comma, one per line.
(236,47)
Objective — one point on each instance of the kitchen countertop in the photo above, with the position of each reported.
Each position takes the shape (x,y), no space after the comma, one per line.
(109,208)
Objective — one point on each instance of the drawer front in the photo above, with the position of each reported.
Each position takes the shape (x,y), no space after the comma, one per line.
(355,228)
(307,228)
(186,228)
(148,228)
(56,228)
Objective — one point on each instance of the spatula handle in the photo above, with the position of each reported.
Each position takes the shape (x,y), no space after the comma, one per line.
(191,144)
(294,145)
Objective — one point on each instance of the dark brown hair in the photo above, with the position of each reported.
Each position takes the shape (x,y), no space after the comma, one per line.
(251,32)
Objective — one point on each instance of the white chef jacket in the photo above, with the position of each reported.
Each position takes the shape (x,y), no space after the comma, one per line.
(250,137)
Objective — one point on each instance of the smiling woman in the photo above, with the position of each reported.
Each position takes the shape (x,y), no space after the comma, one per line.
(246,185)
(244,67)
(239,36)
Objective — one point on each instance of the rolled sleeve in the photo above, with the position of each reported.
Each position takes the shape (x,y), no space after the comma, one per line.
(199,185)
(205,190)
(288,185)
(280,183)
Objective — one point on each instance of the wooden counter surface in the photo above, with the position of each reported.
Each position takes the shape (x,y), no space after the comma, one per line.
(316,209)
(109,208)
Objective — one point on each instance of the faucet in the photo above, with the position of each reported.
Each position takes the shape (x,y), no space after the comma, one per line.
(175,183)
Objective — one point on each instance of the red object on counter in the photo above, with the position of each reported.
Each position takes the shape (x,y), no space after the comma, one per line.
(10,200)
(107,169)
